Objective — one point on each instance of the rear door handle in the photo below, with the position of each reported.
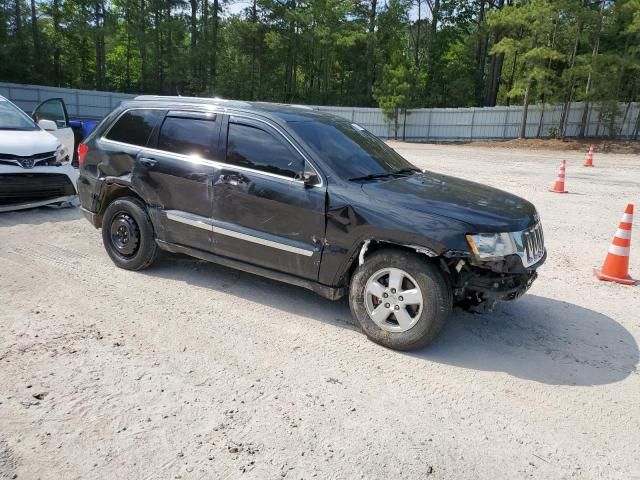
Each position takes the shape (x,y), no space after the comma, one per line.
(149,162)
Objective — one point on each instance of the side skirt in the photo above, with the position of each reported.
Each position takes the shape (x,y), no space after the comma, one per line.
(332,293)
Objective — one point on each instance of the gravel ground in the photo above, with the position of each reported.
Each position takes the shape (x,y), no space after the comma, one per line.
(194,371)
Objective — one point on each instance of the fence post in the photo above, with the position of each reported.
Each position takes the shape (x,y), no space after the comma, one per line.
(505,123)
(473,116)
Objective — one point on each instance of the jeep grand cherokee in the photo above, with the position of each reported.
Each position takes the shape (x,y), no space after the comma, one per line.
(309,199)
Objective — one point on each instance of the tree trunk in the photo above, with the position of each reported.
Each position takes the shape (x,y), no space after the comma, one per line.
(570,91)
(493,82)
(213,58)
(512,75)
(433,30)
(481,57)
(35,38)
(157,61)
(596,47)
(254,41)
(416,53)
(142,44)
(371,51)
(99,45)
(495,70)
(195,88)
(525,111)
(57,40)
(18,14)
(127,76)
(202,58)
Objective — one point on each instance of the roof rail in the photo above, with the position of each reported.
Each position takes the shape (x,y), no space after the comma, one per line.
(211,100)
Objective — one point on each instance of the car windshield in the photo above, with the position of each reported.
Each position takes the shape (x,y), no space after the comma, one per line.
(353,152)
(12,118)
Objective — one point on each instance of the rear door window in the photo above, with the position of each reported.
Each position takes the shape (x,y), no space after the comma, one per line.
(189,135)
(135,127)
(253,147)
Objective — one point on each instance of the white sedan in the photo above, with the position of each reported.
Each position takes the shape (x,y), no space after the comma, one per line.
(35,165)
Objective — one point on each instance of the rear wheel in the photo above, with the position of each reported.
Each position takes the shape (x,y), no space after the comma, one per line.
(400,299)
(127,234)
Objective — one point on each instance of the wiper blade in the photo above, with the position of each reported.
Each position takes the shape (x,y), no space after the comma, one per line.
(406,170)
(393,173)
(373,176)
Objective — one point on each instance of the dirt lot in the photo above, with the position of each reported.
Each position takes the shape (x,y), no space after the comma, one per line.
(601,145)
(190,370)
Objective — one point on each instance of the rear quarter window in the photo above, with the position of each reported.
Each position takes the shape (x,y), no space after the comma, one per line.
(135,127)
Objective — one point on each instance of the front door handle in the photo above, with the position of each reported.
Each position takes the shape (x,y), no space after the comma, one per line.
(148,162)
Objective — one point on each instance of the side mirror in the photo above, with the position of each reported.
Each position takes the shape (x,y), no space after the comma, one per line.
(310,179)
(48,125)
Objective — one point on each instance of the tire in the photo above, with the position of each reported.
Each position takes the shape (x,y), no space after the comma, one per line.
(420,324)
(137,249)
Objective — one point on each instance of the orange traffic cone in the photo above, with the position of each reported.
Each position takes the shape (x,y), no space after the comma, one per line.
(589,161)
(558,187)
(616,265)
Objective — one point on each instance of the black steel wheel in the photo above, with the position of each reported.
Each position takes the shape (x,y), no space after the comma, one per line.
(127,234)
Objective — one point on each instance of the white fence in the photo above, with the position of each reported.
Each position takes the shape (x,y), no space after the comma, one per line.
(82,104)
(424,124)
(492,123)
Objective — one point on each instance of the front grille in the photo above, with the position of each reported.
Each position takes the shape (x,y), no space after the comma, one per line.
(533,240)
(33,187)
(39,159)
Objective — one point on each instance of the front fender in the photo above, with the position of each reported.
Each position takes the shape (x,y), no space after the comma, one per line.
(350,225)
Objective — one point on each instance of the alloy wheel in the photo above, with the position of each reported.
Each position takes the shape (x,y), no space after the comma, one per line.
(393,299)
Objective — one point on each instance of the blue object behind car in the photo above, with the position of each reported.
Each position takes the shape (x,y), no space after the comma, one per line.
(81,130)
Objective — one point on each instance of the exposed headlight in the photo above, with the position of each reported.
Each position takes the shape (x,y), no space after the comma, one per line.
(527,244)
(62,155)
(492,245)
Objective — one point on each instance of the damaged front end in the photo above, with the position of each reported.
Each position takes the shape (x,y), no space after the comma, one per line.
(478,285)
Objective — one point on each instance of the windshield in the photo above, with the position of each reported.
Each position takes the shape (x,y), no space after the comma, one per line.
(350,150)
(12,118)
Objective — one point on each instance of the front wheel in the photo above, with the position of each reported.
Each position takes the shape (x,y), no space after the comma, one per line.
(400,299)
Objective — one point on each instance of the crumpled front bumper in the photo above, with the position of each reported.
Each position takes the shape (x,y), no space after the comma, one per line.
(25,188)
(70,199)
(506,279)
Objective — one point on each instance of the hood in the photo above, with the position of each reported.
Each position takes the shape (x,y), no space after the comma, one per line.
(25,144)
(484,209)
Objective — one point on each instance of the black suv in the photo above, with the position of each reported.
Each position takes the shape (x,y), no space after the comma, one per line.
(309,199)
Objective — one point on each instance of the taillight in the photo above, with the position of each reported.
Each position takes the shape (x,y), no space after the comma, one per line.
(82,151)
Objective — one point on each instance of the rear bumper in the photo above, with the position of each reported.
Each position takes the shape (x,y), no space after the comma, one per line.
(91,216)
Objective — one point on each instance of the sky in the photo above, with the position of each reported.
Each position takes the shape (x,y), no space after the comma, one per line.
(235,7)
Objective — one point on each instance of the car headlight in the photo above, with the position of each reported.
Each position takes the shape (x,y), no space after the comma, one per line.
(527,244)
(62,155)
(492,245)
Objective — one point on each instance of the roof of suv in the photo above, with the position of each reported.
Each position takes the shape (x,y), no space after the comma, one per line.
(276,111)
